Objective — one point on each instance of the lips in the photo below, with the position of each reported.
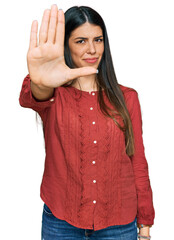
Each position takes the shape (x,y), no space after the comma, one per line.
(91,60)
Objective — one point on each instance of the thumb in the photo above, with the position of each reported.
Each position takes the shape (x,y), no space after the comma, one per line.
(80,72)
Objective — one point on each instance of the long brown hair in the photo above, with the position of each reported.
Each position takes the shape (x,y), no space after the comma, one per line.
(106,78)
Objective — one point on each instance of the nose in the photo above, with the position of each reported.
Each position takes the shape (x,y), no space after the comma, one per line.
(91,48)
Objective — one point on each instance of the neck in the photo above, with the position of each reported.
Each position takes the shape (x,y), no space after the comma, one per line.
(87,83)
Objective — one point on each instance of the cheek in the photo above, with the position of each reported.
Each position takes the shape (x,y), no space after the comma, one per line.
(102,49)
(77,54)
(99,49)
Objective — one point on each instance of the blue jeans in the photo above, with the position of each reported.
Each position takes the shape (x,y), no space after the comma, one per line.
(57,229)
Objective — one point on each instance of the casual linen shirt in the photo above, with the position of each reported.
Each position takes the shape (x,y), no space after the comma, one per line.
(89,180)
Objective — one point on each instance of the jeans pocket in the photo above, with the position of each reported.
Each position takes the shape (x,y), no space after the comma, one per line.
(46,210)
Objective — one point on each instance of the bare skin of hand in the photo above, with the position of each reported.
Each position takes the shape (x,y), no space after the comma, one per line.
(45,59)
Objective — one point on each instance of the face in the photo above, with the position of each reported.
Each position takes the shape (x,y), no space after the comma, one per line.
(86,45)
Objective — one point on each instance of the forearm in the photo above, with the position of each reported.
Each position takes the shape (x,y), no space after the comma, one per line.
(41,93)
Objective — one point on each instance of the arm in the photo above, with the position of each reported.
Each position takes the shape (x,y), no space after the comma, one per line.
(46,64)
(40,92)
(146,213)
(28,100)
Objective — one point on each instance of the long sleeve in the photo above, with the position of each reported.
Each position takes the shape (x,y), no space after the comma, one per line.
(27,100)
(146,212)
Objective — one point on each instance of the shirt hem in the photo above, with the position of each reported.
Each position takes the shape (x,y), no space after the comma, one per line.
(95,228)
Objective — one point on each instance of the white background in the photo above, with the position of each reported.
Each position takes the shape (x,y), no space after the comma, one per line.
(141,35)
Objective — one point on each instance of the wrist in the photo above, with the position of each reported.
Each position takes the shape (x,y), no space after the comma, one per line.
(144,232)
(40,92)
(139,225)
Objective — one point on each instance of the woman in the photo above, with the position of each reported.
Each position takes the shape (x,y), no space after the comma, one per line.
(95,183)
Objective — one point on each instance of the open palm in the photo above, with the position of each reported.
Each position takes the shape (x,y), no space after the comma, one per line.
(45,60)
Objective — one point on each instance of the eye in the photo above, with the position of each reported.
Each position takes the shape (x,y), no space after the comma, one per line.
(99,40)
(80,41)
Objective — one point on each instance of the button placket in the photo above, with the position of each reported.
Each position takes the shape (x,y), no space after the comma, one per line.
(95,142)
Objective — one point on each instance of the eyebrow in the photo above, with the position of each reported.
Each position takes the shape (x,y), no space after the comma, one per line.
(87,38)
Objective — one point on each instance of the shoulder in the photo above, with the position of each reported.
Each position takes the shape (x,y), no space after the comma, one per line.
(131,98)
(127,90)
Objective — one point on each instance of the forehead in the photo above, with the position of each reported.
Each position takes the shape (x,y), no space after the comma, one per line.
(87,30)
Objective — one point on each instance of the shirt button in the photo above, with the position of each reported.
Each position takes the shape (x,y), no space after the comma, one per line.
(91,108)
(94,201)
(93,162)
(93,122)
(93,93)
(52,100)
(94,181)
(95,141)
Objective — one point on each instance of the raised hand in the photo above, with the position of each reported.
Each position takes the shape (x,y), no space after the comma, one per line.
(45,60)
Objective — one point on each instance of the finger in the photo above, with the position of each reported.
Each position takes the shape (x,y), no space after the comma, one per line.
(44,27)
(80,72)
(60,34)
(52,24)
(33,35)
